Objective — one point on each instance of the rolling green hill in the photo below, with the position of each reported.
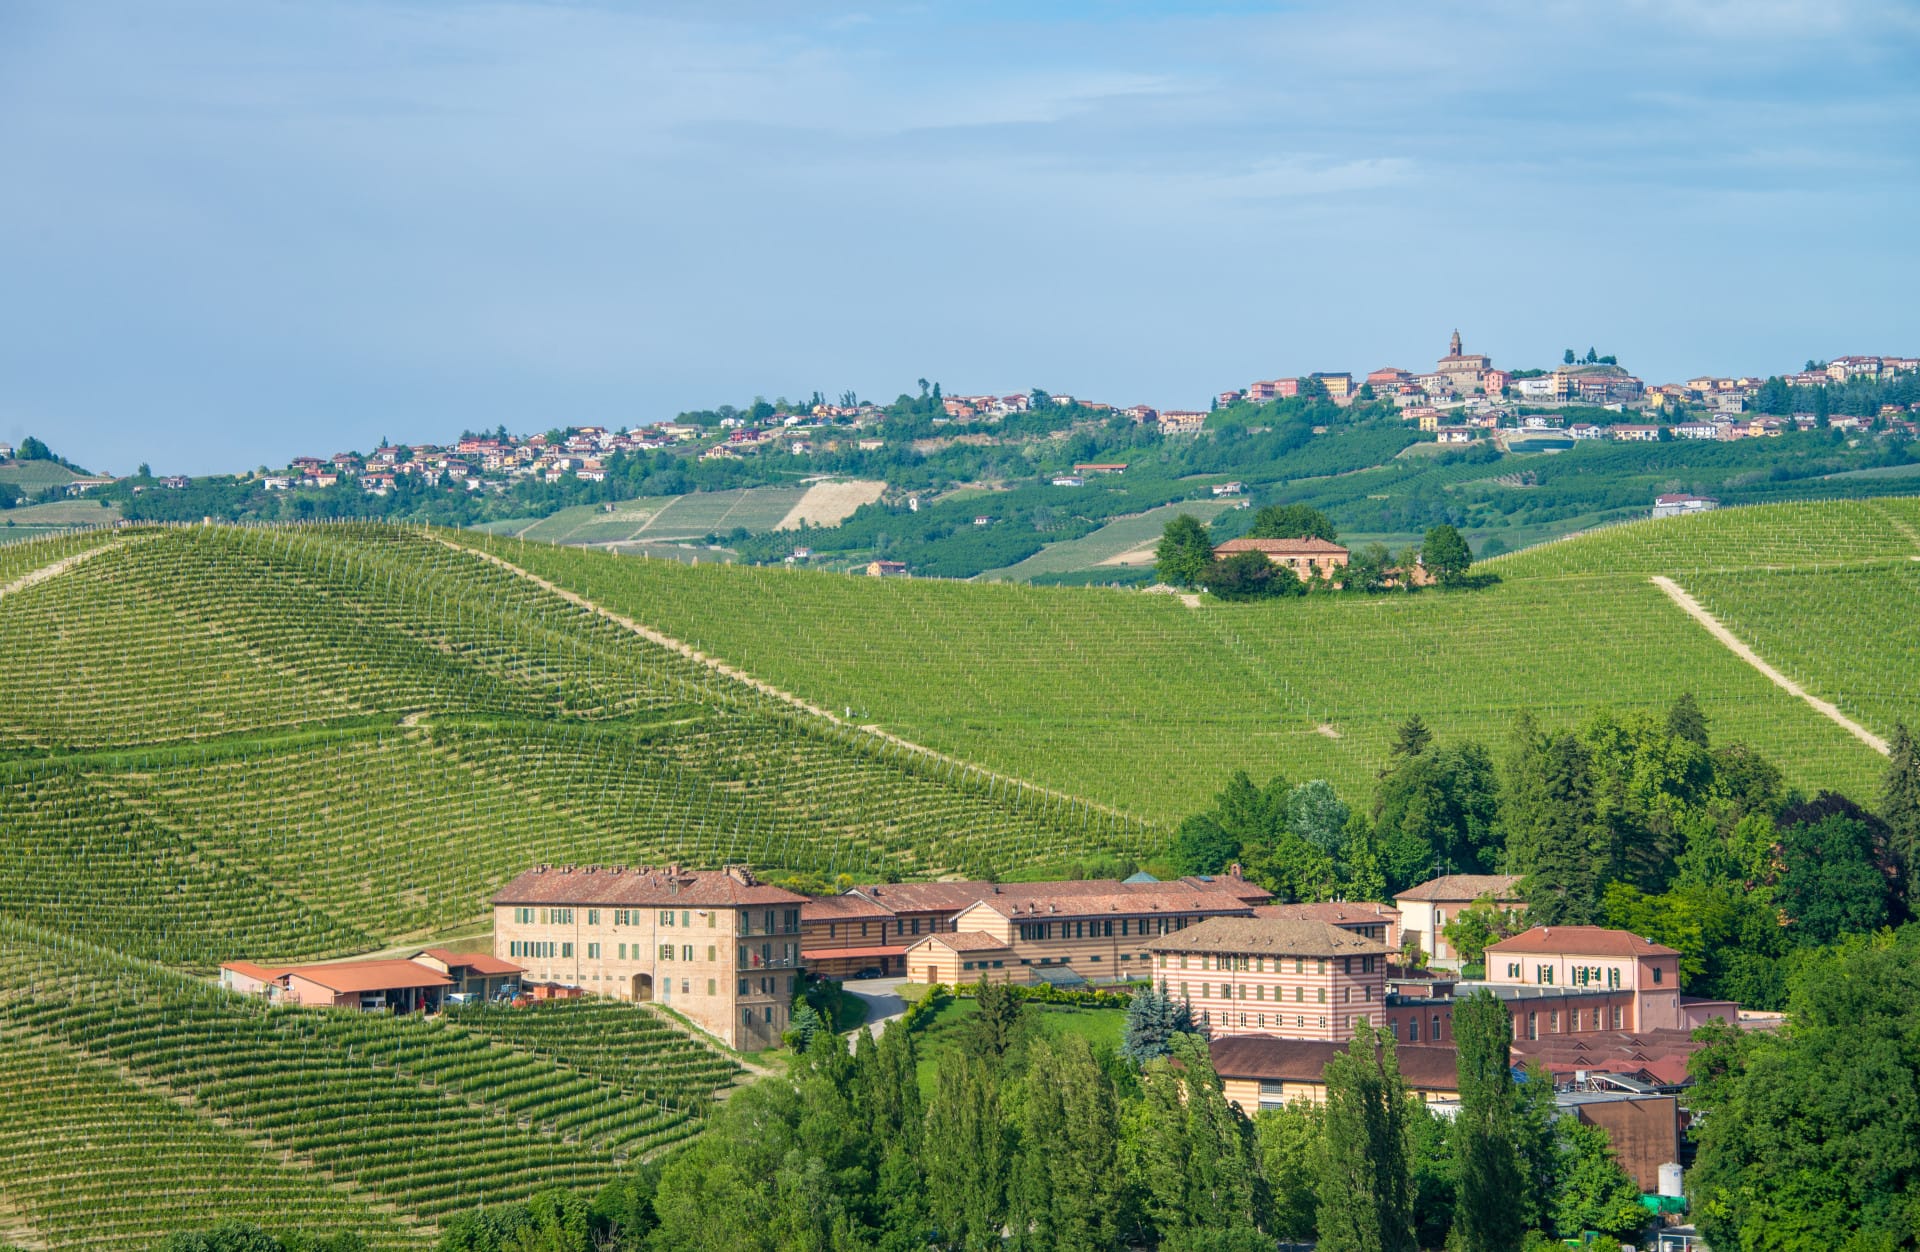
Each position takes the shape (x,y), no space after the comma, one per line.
(283,744)
(1142,702)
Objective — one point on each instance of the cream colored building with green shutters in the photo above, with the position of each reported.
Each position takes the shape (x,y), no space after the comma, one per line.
(719,947)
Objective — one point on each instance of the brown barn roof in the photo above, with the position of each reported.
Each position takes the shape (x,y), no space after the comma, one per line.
(1165,899)
(843,908)
(593,884)
(951,897)
(1582,941)
(1281,547)
(1268,937)
(1468,887)
(1268,1059)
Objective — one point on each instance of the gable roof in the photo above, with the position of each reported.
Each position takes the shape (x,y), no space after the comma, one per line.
(1581,941)
(1270,1059)
(1167,898)
(963,941)
(1263,936)
(351,976)
(1282,547)
(951,897)
(478,962)
(1464,887)
(660,888)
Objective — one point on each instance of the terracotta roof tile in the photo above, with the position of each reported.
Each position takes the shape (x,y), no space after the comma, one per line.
(964,941)
(1270,1059)
(350,976)
(1581,941)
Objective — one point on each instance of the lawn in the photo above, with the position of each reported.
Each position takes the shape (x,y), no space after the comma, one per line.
(945,1031)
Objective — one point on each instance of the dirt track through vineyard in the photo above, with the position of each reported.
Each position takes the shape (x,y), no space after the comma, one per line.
(766,688)
(1825,708)
(59,567)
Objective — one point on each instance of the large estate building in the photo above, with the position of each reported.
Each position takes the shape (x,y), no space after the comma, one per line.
(720,947)
(1426,908)
(1258,975)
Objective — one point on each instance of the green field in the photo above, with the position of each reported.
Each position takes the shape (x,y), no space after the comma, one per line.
(1138,701)
(1120,536)
(659,519)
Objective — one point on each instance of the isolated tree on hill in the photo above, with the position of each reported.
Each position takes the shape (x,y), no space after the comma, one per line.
(32,449)
(1567,357)
(1900,810)
(1292,521)
(1185,553)
(1362,1171)
(1686,721)
(1593,356)
(1445,554)
(1486,1217)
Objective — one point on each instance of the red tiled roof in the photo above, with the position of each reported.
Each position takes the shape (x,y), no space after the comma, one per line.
(843,908)
(1282,547)
(964,941)
(1581,941)
(349,976)
(1164,899)
(1334,913)
(839,954)
(1271,1059)
(1463,887)
(951,897)
(617,885)
(478,962)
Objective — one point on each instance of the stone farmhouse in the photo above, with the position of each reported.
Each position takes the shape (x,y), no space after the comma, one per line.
(720,947)
(1307,558)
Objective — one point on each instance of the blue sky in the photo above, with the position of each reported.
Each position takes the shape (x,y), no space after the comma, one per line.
(236,230)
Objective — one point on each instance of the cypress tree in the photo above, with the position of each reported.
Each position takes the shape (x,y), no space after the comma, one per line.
(1487,1216)
(966,1156)
(1068,1191)
(1686,721)
(1362,1164)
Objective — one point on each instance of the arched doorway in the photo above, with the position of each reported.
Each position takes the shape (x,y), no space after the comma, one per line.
(643,986)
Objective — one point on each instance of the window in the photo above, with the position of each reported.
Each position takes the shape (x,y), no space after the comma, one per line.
(623,951)
(1320,965)
(713,953)
(686,952)
(666,952)
(1183,960)
(1367,994)
(1543,974)
(1346,995)
(593,952)
(743,986)
(563,917)
(1413,1030)
(713,918)
(1533,1025)
(1299,965)
(1576,1021)
(1162,962)
(712,986)
(1323,995)
(1206,989)
(769,1013)
(666,917)
(1616,1017)
(593,917)
(1656,975)
(686,917)
(683,986)
(523,917)
(1183,991)
(1299,994)
(1434,1034)
(566,949)
(1513,969)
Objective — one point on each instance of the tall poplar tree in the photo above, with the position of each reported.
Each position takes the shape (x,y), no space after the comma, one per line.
(1362,1166)
(1068,1190)
(1900,809)
(966,1157)
(1487,1215)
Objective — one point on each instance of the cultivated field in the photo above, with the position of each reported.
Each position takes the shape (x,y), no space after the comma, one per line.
(1141,702)
(1123,542)
(659,519)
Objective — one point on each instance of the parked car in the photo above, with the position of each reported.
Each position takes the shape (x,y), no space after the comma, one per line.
(871,972)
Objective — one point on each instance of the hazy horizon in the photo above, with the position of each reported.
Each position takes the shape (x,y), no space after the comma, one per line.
(236,233)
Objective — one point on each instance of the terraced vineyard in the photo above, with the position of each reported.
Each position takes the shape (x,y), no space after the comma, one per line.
(1143,703)
(426,1116)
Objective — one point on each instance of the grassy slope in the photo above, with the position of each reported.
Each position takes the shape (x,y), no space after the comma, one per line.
(1118,536)
(660,518)
(1139,701)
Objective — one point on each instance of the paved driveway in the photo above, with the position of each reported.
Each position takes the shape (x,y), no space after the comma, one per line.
(884,1002)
